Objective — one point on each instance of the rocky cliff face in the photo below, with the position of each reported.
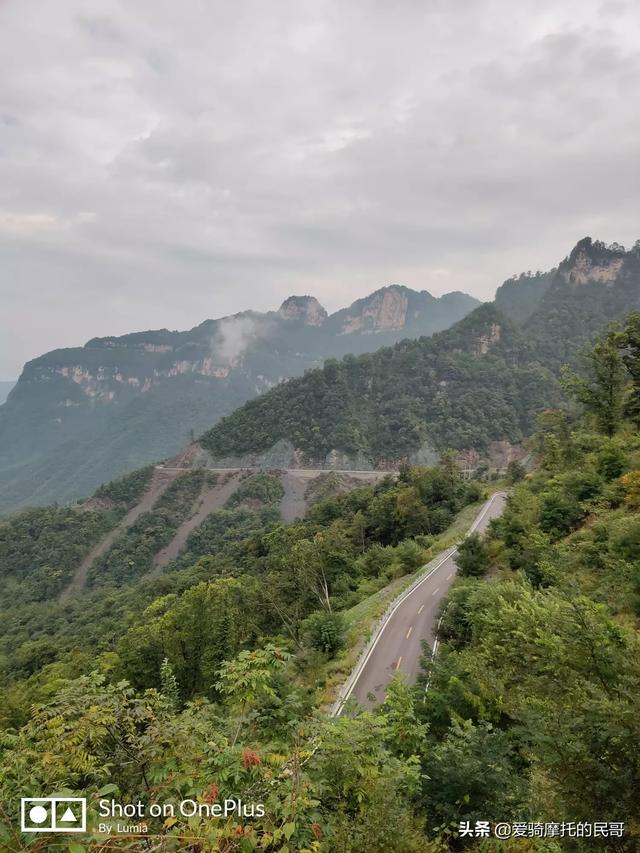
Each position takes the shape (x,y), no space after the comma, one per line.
(80,416)
(384,309)
(593,262)
(594,285)
(108,381)
(482,381)
(394,311)
(108,369)
(486,341)
(307,309)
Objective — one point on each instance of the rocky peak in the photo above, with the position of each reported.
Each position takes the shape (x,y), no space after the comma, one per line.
(305,308)
(593,261)
(384,309)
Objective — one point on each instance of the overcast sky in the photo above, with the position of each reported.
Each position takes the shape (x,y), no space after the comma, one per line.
(162,162)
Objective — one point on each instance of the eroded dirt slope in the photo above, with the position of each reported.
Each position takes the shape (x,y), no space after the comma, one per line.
(160,480)
(212,498)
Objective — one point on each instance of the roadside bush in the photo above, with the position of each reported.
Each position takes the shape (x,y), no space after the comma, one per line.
(612,461)
(515,472)
(375,561)
(559,514)
(325,632)
(473,557)
(410,555)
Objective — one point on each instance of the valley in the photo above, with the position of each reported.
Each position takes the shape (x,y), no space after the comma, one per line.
(297,487)
(320,440)
(84,415)
(270,596)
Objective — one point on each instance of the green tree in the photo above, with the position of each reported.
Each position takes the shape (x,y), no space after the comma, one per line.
(473,772)
(552,440)
(473,556)
(325,632)
(250,677)
(195,632)
(630,341)
(405,732)
(612,461)
(515,472)
(169,684)
(603,392)
(365,788)
(559,513)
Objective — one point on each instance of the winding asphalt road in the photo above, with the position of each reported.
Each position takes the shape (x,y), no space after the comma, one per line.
(399,645)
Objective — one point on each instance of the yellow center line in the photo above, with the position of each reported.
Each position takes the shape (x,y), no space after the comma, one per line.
(421,608)
(399,662)
(436,591)
(409,633)
(450,576)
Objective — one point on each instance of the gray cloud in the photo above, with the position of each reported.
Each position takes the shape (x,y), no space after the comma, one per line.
(160,165)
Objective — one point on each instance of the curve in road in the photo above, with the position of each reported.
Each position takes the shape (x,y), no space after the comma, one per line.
(398,644)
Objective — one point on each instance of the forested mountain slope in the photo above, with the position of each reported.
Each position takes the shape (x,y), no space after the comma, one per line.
(482,381)
(80,416)
(462,388)
(209,682)
(521,295)
(537,683)
(594,285)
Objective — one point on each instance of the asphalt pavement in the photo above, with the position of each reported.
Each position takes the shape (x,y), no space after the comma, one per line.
(399,646)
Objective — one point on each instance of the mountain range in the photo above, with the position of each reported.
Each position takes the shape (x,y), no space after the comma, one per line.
(5,388)
(221,609)
(385,393)
(480,383)
(80,416)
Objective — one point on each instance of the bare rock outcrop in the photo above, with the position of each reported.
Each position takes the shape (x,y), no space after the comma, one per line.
(305,308)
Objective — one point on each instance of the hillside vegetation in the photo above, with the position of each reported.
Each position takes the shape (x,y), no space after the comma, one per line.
(205,682)
(481,381)
(83,415)
(347,547)
(387,405)
(41,548)
(533,706)
(210,679)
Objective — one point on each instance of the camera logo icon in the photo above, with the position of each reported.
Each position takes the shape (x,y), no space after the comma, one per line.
(53,814)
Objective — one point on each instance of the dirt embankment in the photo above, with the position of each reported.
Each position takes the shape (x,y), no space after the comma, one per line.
(160,480)
(211,499)
(296,487)
(293,503)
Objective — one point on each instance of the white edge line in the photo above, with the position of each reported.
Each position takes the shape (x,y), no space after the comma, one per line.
(434,650)
(340,703)
(400,601)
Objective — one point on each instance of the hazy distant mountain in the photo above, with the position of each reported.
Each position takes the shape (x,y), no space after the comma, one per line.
(82,415)
(482,381)
(5,387)
(520,296)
